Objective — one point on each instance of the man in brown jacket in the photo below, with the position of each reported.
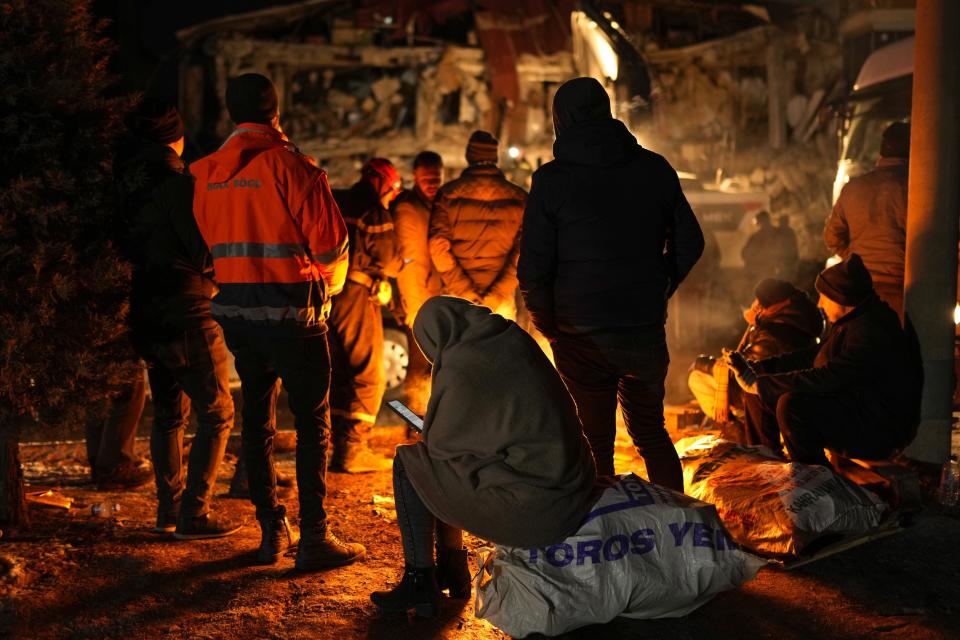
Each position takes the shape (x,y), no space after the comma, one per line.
(475,230)
(418,280)
(870,217)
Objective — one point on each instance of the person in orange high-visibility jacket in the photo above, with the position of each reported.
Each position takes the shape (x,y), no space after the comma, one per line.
(279,247)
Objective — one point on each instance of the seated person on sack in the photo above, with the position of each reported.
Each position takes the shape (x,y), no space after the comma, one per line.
(858,393)
(502,454)
(781,319)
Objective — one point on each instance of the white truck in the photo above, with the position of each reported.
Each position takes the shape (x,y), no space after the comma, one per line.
(881,95)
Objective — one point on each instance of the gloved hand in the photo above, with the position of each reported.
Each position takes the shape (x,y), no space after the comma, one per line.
(745,375)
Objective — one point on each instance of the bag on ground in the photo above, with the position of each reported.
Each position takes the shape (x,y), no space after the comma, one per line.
(770,506)
(643,552)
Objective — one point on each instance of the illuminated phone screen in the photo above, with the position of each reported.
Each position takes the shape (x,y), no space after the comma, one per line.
(404,412)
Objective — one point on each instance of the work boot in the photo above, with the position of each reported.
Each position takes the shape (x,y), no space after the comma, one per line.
(358,458)
(126,476)
(453,573)
(276,538)
(417,590)
(321,549)
(204,527)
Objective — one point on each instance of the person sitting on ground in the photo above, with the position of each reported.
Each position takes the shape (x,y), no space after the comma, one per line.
(858,393)
(781,319)
(502,454)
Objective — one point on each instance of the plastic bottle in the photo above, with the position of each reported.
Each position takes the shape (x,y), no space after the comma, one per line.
(949,495)
(104,509)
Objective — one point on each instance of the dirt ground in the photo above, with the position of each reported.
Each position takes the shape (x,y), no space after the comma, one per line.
(73,575)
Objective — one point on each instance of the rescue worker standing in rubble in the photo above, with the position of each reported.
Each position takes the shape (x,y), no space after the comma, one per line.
(857,393)
(870,217)
(607,238)
(418,281)
(279,249)
(356,324)
(475,230)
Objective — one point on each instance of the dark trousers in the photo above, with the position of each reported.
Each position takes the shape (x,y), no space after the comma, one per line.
(629,367)
(356,357)
(418,526)
(302,363)
(192,370)
(812,422)
(761,427)
(111,436)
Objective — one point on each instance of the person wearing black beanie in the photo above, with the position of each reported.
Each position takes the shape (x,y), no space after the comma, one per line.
(252,97)
(280,257)
(857,393)
(172,326)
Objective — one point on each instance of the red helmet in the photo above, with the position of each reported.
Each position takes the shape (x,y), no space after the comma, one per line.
(382,174)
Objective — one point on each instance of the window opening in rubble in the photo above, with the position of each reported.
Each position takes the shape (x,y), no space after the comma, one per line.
(449,109)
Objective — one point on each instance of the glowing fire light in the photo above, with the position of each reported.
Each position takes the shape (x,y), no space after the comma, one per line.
(513,152)
(956,315)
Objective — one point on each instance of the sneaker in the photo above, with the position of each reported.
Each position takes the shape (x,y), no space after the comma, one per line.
(276,537)
(204,527)
(166,522)
(321,549)
(358,458)
(126,476)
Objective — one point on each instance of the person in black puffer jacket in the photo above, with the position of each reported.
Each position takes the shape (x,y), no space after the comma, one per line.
(781,319)
(607,237)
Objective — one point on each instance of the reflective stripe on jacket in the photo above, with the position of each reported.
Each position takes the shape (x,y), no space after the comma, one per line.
(278,241)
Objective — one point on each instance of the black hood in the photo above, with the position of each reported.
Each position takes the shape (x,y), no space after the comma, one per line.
(586,132)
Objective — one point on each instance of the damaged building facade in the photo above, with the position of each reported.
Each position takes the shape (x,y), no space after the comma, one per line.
(388,79)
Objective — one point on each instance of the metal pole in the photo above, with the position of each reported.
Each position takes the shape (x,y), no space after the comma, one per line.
(930,285)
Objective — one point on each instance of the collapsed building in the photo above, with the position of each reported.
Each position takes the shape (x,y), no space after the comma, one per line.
(388,78)
(741,97)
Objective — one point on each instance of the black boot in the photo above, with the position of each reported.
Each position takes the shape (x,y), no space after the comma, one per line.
(453,572)
(417,590)
(276,538)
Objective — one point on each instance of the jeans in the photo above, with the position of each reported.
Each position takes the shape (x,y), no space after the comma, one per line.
(111,439)
(302,363)
(603,368)
(418,525)
(192,370)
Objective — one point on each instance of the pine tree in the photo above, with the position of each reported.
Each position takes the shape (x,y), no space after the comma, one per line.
(63,284)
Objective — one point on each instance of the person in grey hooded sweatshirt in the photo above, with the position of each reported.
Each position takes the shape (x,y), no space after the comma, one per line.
(607,237)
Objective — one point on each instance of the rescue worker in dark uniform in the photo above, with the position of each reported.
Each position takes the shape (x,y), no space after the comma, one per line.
(279,249)
(356,323)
